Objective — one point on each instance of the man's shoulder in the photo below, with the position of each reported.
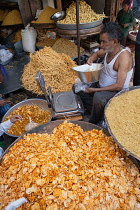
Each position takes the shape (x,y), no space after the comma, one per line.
(125,55)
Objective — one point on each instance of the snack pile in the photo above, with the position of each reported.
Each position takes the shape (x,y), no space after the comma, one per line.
(69,169)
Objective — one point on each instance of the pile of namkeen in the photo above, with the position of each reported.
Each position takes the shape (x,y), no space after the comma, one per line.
(12,18)
(35,112)
(123,116)
(65,46)
(46,42)
(69,169)
(86,14)
(3,14)
(45,15)
(56,69)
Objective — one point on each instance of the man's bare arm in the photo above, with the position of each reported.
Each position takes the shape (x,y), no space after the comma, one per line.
(95,56)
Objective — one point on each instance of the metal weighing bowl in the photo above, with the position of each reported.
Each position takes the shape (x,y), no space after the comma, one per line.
(81,25)
(58,16)
(40,102)
(89,75)
(108,126)
(48,128)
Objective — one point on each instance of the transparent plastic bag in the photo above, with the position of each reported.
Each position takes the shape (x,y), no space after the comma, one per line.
(15,204)
(30,125)
(80,86)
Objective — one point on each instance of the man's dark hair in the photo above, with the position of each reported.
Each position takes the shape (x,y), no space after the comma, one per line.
(126,2)
(113,30)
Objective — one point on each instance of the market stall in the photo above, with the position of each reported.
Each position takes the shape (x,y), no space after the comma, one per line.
(65,164)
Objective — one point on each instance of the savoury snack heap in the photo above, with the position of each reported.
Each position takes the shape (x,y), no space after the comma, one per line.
(62,171)
(86,14)
(56,69)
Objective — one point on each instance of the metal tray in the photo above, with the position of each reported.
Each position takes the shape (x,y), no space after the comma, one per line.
(108,126)
(40,102)
(81,25)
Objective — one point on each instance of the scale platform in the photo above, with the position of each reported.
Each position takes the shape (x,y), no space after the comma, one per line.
(66,104)
(63,104)
(64,101)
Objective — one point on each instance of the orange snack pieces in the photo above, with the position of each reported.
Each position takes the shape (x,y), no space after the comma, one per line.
(37,114)
(69,169)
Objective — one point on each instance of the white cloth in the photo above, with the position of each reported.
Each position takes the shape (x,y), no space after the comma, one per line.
(108,76)
(4,126)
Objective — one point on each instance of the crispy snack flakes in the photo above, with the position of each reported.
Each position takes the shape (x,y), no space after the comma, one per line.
(37,114)
(69,169)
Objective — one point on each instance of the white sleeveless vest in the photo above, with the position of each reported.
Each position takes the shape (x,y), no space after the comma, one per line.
(108,76)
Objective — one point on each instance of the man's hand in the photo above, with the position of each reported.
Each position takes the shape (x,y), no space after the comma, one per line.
(15,118)
(90,61)
(2,102)
(9,102)
(90,90)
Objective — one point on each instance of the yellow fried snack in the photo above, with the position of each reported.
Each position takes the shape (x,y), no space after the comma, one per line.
(123,115)
(69,169)
(37,114)
(67,47)
(3,14)
(86,14)
(12,18)
(45,15)
(56,69)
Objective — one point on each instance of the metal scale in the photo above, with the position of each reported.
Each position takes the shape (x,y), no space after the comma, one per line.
(63,104)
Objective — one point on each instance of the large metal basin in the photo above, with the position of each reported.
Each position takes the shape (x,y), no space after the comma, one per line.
(81,25)
(40,102)
(48,128)
(108,126)
(87,75)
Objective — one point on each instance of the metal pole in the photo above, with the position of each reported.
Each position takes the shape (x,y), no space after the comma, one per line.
(78,32)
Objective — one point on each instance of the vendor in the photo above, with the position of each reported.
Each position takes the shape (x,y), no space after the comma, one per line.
(115,76)
(126,20)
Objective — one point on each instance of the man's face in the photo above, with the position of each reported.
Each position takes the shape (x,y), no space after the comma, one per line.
(106,44)
(125,7)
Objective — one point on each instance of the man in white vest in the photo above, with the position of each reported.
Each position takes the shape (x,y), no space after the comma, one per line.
(115,76)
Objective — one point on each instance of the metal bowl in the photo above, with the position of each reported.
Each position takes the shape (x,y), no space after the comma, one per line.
(58,16)
(40,102)
(81,25)
(89,73)
(108,126)
(48,128)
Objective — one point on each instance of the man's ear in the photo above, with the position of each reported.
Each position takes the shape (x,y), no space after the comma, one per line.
(115,41)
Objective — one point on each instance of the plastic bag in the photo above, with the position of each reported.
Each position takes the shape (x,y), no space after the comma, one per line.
(30,125)
(15,204)
(80,86)
(29,35)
